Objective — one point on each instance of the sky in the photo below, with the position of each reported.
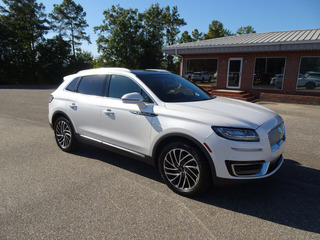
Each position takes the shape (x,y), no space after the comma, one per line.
(263,15)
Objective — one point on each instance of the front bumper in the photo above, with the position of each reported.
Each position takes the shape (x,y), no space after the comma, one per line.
(253,168)
(249,160)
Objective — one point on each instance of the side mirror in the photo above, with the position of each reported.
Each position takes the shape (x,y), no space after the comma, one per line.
(133,98)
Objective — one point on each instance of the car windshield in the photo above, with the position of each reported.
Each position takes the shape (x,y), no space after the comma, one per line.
(173,88)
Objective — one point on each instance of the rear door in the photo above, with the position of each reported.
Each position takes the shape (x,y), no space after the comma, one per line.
(84,105)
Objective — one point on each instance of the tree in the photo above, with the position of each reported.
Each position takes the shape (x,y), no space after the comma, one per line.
(119,37)
(54,58)
(135,40)
(246,30)
(216,30)
(69,19)
(173,22)
(84,60)
(185,37)
(5,51)
(152,37)
(24,24)
(196,36)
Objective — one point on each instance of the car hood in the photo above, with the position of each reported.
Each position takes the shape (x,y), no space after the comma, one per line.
(222,111)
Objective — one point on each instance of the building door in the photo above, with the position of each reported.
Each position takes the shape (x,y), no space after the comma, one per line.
(234,73)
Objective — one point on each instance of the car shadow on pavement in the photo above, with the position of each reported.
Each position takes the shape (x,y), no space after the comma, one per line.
(291,197)
(120,161)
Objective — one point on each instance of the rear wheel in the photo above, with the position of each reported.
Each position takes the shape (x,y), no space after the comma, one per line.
(310,85)
(184,169)
(64,134)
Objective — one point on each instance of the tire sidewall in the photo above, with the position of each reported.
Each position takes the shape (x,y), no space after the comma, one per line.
(71,146)
(310,85)
(203,182)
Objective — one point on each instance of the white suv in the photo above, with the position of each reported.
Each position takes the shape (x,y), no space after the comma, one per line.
(165,120)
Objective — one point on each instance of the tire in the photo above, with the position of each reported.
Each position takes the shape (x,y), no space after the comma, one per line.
(184,169)
(310,85)
(64,134)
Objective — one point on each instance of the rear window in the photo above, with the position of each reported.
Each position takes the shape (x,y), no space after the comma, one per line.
(72,85)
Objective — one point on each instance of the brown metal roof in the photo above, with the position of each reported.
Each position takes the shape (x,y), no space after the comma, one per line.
(273,41)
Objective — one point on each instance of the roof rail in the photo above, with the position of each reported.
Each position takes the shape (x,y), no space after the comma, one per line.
(157,70)
(105,68)
(118,69)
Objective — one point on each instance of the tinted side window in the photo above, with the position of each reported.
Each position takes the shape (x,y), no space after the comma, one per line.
(72,85)
(120,85)
(92,85)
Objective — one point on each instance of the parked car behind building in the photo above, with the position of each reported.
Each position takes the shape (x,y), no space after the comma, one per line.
(201,76)
(310,80)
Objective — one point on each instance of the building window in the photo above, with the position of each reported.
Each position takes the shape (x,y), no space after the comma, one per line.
(309,74)
(202,70)
(268,73)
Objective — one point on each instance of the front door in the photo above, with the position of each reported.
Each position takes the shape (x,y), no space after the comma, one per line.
(234,73)
(125,125)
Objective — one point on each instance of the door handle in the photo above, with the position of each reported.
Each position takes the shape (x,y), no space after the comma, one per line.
(108,112)
(74,106)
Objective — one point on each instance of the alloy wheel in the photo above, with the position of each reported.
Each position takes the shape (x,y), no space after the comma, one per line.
(63,134)
(181,169)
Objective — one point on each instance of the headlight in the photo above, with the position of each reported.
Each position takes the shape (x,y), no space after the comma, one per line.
(237,134)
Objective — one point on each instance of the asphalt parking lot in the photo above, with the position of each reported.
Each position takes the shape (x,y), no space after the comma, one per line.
(94,194)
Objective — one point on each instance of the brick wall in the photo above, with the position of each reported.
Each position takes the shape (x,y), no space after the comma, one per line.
(286,98)
(248,63)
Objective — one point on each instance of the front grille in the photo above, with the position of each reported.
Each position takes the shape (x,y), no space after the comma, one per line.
(276,135)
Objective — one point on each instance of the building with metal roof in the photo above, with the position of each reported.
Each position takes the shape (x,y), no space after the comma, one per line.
(286,62)
(273,41)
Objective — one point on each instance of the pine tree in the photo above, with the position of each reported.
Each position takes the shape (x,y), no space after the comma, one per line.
(69,19)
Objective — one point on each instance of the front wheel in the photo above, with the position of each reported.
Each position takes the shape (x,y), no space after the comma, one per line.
(184,169)
(64,134)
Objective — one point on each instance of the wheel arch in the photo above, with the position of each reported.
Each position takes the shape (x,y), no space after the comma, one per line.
(174,137)
(58,114)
